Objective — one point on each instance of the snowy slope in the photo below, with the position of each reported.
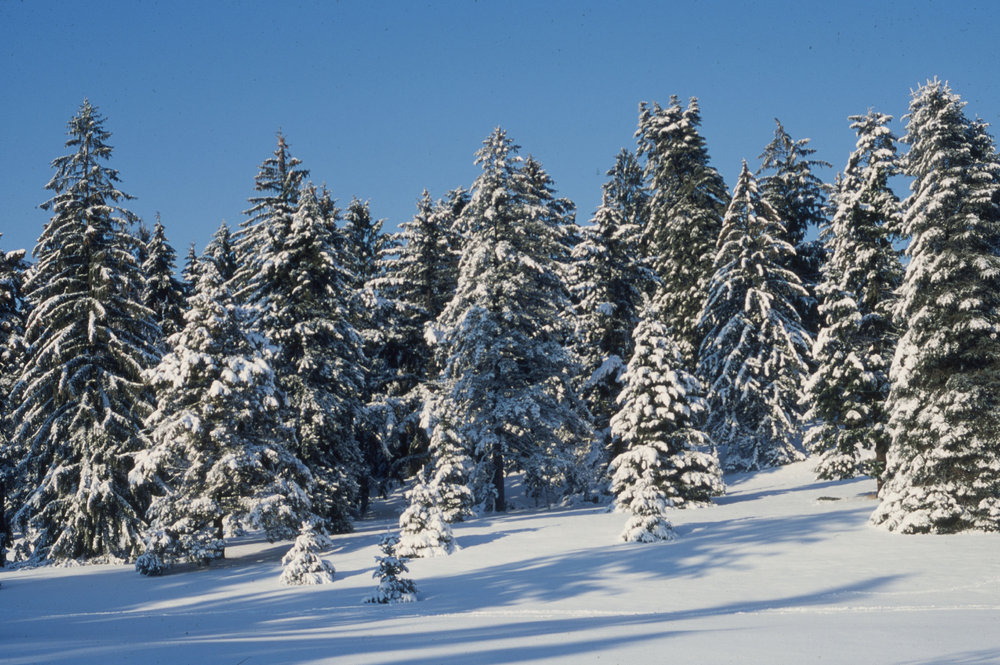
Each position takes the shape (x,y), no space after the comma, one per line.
(783,570)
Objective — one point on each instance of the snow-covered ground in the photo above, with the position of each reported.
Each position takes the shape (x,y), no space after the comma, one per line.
(784,569)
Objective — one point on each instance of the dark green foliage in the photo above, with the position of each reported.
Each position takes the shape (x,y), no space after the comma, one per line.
(687,201)
(80,396)
(847,392)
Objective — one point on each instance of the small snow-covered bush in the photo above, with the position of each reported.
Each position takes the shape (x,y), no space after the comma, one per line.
(391,587)
(302,564)
(150,564)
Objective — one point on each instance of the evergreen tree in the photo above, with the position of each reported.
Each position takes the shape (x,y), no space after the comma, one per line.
(190,271)
(391,587)
(753,358)
(302,564)
(12,315)
(788,184)
(452,468)
(506,377)
(270,215)
(668,461)
(687,201)
(317,354)
(220,460)
(609,279)
(80,397)
(162,293)
(847,392)
(221,253)
(415,278)
(943,471)
(423,531)
(365,241)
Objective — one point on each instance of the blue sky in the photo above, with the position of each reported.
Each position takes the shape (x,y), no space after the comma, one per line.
(383,99)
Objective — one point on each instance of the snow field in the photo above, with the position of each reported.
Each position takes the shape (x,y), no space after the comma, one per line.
(784,569)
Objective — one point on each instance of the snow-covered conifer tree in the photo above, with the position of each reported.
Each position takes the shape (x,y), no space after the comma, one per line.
(190,271)
(79,395)
(303,564)
(307,316)
(798,196)
(279,180)
(423,531)
(687,201)
(668,461)
(220,460)
(847,392)
(221,253)
(608,282)
(415,278)
(12,314)
(391,587)
(943,466)
(507,374)
(451,471)
(162,293)
(753,358)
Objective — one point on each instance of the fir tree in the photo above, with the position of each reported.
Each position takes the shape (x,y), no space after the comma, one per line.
(269,217)
(847,392)
(190,271)
(302,564)
(415,278)
(423,531)
(162,293)
(391,587)
(12,315)
(788,184)
(609,279)
(943,471)
(506,377)
(753,358)
(452,468)
(80,394)
(668,461)
(220,460)
(687,201)
(317,354)
(221,253)
(365,241)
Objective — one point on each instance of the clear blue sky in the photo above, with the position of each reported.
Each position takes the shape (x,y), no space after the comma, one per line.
(384,99)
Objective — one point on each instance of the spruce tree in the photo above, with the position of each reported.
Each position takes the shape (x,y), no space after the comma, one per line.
(302,564)
(220,460)
(451,471)
(423,530)
(162,293)
(943,467)
(221,253)
(190,271)
(798,196)
(415,278)
(608,282)
(12,315)
(687,201)
(391,587)
(668,461)
(80,396)
(847,392)
(507,373)
(317,354)
(279,181)
(753,358)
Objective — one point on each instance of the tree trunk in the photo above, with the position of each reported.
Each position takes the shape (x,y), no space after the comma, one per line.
(500,505)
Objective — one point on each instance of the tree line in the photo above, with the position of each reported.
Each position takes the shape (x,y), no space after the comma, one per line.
(307,361)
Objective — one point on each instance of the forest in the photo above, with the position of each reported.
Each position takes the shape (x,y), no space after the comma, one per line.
(307,361)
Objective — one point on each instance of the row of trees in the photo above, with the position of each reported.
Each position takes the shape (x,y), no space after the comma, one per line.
(307,360)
